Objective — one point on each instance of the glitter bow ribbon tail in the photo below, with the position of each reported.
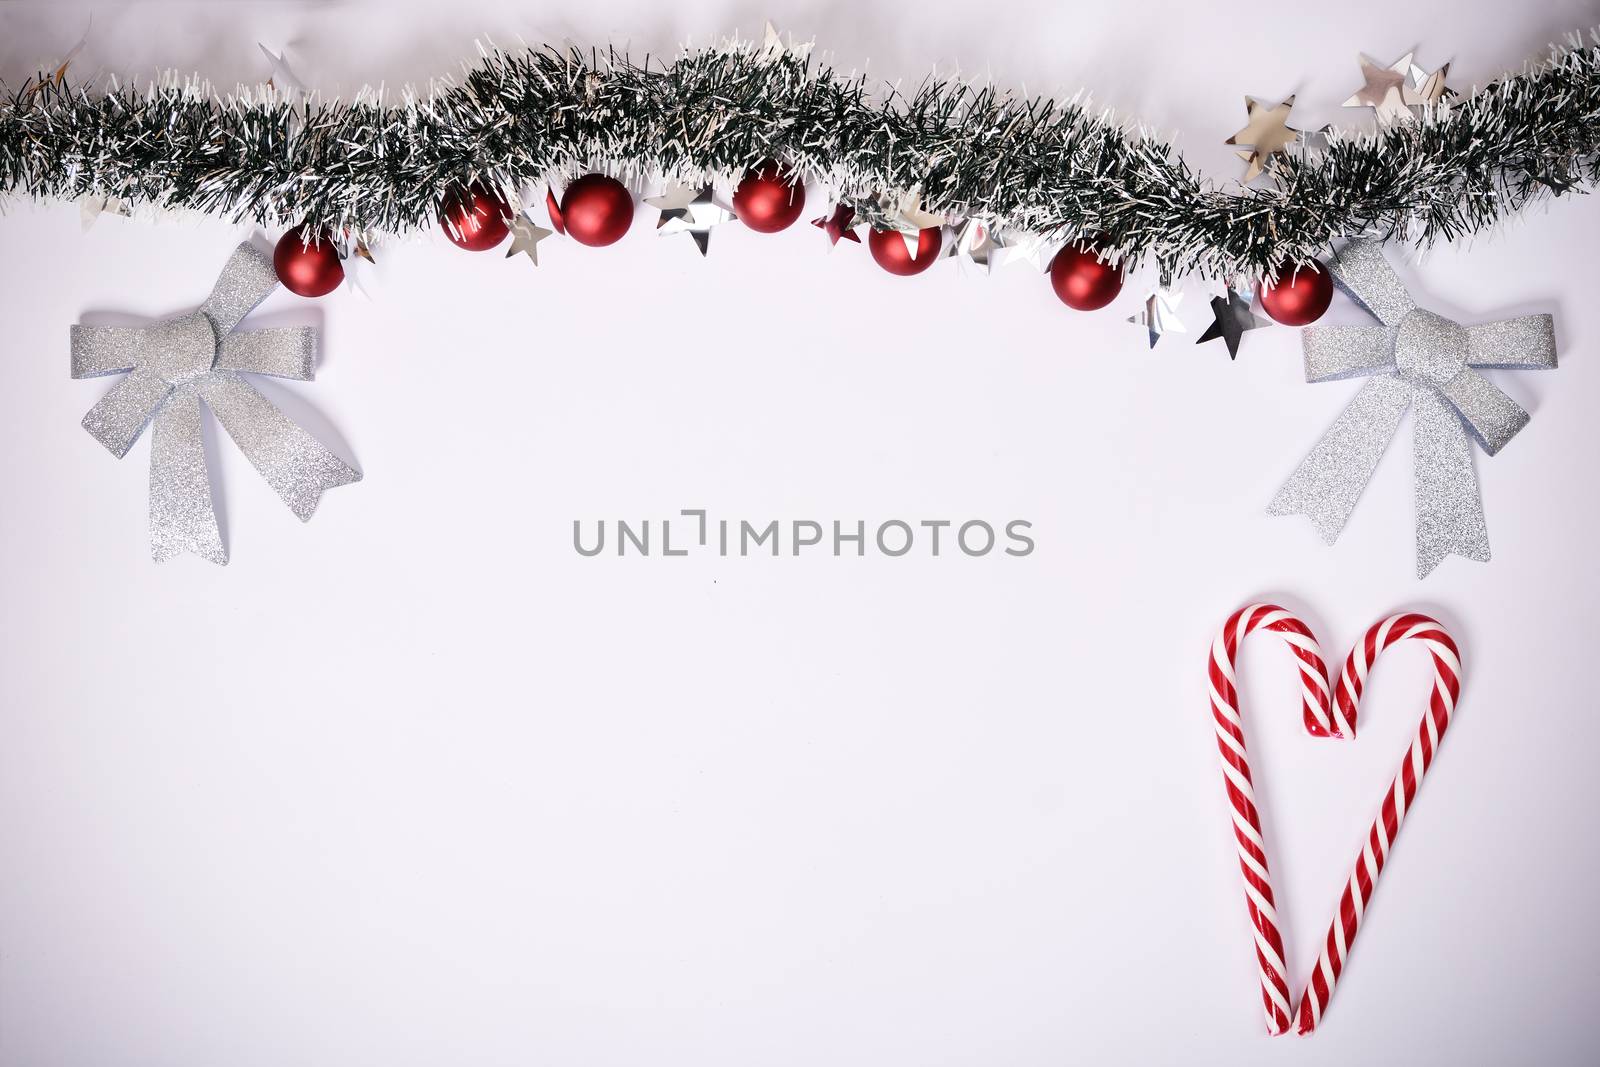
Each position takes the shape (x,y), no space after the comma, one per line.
(1420,360)
(174,366)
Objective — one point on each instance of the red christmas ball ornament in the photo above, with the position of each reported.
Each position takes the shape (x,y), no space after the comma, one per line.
(1083,280)
(476,220)
(766,202)
(1298,296)
(597,210)
(306,262)
(888,247)
(553,206)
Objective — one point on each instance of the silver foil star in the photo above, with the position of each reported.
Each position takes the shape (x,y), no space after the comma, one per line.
(90,208)
(773,46)
(1034,249)
(1430,89)
(1266,134)
(360,267)
(1394,90)
(1160,314)
(282,78)
(906,217)
(1384,89)
(1231,318)
(525,237)
(686,209)
(972,241)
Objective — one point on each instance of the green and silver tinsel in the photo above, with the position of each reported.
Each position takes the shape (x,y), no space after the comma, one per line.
(374,165)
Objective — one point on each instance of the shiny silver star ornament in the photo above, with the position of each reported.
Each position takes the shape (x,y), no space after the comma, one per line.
(1266,133)
(907,218)
(1231,318)
(970,240)
(1034,249)
(282,78)
(686,209)
(1392,91)
(525,237)
(773,46)
(90,208)
(1385,89)
(1558,182)
(360,266)
(1160,314)
(1429,89)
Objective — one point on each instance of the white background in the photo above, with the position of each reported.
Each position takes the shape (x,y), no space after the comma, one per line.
(416,784)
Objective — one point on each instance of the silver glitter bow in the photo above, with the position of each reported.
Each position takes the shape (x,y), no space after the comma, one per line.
(172,366)
(1418,359)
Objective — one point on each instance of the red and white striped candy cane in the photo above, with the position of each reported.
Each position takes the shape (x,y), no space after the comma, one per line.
(1236,777)
(1370,861)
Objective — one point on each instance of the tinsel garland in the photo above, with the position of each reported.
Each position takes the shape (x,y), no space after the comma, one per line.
(366,167)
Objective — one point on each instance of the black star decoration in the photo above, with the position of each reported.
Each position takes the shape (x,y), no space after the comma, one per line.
(1230,318)
(1558,182)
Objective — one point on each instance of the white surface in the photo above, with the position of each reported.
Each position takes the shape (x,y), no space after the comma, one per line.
(416,784)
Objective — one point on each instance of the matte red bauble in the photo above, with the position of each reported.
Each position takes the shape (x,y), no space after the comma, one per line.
(1298,297)
(889,249)
(476,220)
(596,210)
(1083,280)
(307,266)
(553,206)
(766,202)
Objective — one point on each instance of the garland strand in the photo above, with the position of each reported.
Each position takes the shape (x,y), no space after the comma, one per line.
(365,167)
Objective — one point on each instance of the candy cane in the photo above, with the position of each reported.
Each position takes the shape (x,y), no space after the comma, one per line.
(1236,778)
(1370,861)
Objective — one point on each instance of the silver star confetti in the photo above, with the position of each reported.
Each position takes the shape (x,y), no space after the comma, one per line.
(970,240)
(773,46)
(360,268)
(1265,134)
(282,78)
(907,218)
(1384,89)
(1558,182)
(685,209)
(1160,314)
(1430,89)
(525,237)
(1230,319)
(90,208)
(1392,91)
(1034,249)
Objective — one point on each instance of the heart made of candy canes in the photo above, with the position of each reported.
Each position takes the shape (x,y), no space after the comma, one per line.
(1327,712)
